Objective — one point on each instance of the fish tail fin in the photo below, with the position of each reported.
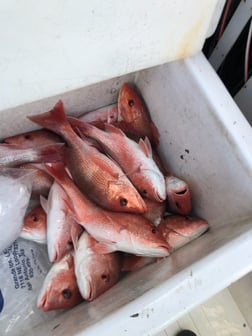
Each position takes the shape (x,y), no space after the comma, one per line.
(54,120)
(81,127)
(58,172)
(84,131)
(50,153)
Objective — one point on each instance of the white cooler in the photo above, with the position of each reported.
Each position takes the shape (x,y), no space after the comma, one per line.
(205,139)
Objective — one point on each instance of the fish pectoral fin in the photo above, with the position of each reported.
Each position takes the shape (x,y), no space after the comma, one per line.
(129,173)
(76,231)
(134,171)
(69,210)
(103,248)
(70,261)
(145,146)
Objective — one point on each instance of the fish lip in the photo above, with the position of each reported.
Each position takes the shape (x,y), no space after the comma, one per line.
(42,302)
(175,184)
(90,291)
(158,197)
(53,257)
(166,248)
(26,231)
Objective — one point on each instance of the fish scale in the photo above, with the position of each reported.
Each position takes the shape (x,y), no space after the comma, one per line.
(135,159)
(93,171)
(125,232)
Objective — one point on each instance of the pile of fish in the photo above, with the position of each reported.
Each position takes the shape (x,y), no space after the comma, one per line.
(105,202)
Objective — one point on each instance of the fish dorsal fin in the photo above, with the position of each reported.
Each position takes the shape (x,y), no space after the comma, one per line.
(145,146)
(44,203)
(113,129)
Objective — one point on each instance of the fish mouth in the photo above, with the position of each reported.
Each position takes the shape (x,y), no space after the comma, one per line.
(166,249)
(42,302)
(53,255)
(157,251)
(90,292)
(162,251)
(57,255)
(6,141)
(138,205)
(26,233)
(174,184)
(159,197)
(142,206)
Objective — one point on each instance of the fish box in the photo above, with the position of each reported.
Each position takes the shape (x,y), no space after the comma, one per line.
(204,139)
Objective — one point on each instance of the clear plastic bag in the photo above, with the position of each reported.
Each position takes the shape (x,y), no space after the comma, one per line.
(15,192)
(23,266)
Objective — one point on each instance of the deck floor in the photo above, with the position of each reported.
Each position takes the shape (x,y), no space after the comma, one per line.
(228,313)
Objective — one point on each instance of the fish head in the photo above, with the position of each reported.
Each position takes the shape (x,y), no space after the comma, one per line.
(130,105)
(106,114)
(33,138)
(124,197)
(99,274)
(179,230)
(155,211)
(24,140)
(36,218)
(60,248)
(148,241)
(60,289)
(65,241)
(155,188)
(34,227)
(112,114)
(133,116)
(178,195)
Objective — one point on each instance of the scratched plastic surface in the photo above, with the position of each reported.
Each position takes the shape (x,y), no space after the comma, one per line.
(204,139)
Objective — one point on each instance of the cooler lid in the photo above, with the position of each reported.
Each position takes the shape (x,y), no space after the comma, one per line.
(54,46)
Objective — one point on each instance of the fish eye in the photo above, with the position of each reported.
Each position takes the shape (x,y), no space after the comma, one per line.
(105,277)
(153,230)
(27,136)
(131,102)
(66,293)
(123,201)
(35,218)
(145,191)
(70,243)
